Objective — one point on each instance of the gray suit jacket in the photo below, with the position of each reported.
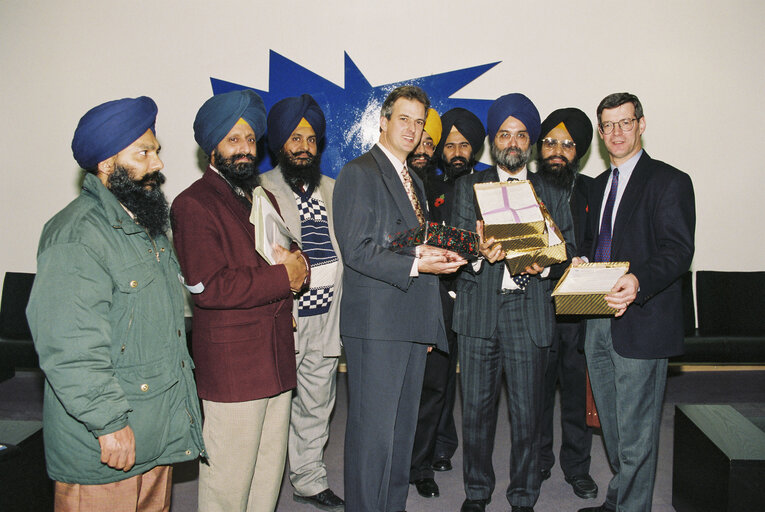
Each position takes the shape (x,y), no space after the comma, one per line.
(478,299)
(380,300)
(274,182)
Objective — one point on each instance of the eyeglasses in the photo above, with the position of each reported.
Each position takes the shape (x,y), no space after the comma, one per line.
(550,143)
(518,136)
(625,124)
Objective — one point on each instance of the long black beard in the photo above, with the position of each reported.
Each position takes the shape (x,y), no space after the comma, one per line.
(148,205)
(427,170)
(453,171)
(242,175)
(560,175)
(508,160)
(306,173)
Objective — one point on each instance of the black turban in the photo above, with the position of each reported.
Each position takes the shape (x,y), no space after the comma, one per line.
(576,122)
(220,113)
(109,128)
(285,116)
(467,124)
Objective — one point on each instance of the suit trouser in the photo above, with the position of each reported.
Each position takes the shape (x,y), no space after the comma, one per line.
(482,361)
(566,365)
(384,384)
(246,446)
(147,492)
(628,394)
(312,406)
(436,404)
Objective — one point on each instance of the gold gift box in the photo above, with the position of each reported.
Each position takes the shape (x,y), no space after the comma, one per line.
(504,233)
(585,303)
(543,255)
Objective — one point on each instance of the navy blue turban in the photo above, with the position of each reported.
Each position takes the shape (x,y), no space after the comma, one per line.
(285,116)
(518,106)
(467,123)
(577,124)
(109,128)
(221,112)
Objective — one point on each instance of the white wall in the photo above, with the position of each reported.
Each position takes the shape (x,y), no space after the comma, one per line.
(696,66)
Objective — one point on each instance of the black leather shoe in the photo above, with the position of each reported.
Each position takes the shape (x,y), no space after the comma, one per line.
(427,487)
(474,505)
(602,508)
(584,486)
(522,509)
(441,465)
(545,473)
(325,500)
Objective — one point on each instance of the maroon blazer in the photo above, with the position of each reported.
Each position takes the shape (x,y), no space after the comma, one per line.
(242,336)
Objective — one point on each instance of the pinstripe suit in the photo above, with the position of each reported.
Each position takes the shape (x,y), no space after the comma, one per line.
(507,333)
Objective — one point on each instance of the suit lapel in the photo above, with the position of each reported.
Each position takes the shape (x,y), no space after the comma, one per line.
(287,205)
(230,201)
(395,187)
(630,199)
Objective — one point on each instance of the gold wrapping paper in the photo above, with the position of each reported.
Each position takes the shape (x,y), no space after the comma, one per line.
(584,303)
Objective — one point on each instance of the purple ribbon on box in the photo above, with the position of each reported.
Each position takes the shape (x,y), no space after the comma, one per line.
(509,208)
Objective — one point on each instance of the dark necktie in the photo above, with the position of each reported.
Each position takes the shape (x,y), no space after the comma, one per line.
(522,280)
(603,250)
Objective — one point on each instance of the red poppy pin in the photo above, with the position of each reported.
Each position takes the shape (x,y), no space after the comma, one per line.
(439,201)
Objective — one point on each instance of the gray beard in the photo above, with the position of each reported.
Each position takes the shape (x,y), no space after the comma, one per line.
(508,160)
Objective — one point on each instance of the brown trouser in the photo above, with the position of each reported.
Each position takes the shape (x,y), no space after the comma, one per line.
(147,492)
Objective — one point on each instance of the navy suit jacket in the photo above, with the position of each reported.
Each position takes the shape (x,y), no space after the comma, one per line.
(380,300)
(478,300)
(653,230)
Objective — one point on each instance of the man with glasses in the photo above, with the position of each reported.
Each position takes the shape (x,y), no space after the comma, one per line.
(641,211)
(503,322)
(567,134)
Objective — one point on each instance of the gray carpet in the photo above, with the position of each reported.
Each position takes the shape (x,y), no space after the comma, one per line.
(21,398)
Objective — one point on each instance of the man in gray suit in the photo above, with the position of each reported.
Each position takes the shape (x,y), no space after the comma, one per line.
(504,323)
(295,128)
(390,309)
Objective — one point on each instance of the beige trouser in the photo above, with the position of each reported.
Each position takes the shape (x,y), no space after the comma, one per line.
(147,492)
(246,446)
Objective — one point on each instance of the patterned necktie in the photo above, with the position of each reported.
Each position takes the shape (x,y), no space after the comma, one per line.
(522,280)
(603,250)
(409,187)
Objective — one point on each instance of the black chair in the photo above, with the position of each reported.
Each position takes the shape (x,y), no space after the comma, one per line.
(16,346)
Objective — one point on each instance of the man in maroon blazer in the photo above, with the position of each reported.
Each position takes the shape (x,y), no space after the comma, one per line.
(242,330)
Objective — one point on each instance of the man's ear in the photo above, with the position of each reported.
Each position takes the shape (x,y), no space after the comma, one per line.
(105,168)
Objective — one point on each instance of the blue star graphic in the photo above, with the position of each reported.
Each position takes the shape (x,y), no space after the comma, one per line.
(353,112)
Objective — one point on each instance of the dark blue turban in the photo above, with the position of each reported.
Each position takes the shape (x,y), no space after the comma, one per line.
(221,112)
(109,128)
(518,106)
(285,116)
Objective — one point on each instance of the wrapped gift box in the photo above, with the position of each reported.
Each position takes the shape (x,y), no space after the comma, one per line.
(510,210)
(582,289)
(552,250)
(463,242)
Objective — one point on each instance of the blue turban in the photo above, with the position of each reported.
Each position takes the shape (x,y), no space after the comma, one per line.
(518,106)
(221,112)
(109,128)
(285,116)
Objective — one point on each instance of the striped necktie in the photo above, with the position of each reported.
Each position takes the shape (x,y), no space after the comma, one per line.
(603,249)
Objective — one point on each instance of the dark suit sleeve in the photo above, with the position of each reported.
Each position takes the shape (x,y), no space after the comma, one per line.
(561,214)
(200,243)
(674,221)
(361,225)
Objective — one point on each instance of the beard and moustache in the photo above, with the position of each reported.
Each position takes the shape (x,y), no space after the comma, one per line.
(423,171)
(148,205)
(242,175)
(512,158)
(458,166)
(562,175)
(301,168)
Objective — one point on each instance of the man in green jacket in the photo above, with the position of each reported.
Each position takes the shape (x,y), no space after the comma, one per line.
(106,313)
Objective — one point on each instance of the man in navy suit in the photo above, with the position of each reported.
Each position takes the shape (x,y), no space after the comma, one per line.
(641,211)
(566,137)
(390,311)
(504,323)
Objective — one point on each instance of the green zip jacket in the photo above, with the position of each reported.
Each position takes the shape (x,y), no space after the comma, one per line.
(106,313)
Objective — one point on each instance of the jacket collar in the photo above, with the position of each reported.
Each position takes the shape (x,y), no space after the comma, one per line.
(118,217)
